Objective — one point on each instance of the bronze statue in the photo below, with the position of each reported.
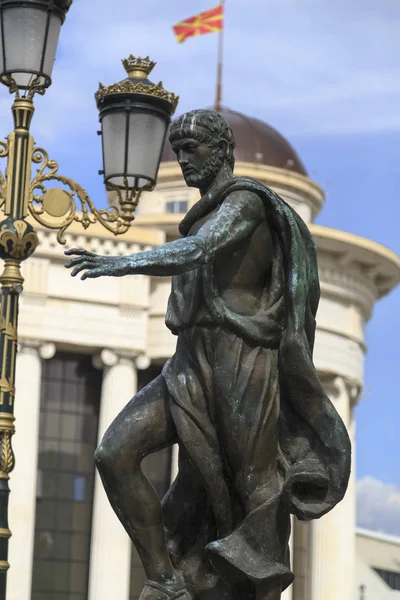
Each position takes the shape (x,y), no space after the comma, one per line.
(258,437)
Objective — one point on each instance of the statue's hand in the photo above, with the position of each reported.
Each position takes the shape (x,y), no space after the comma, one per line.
(94,265)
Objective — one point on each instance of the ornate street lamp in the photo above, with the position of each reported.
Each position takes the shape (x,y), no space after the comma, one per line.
(29,32)
(138,112)
(134,115)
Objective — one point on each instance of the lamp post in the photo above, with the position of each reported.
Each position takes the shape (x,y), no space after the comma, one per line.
(134,116)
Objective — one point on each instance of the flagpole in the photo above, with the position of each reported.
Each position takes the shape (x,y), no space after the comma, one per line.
(218,97)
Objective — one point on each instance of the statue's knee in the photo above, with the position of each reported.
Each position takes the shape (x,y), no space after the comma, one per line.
(103,458)
(117,457)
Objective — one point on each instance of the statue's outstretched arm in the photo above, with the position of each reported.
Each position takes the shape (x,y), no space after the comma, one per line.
(239,216)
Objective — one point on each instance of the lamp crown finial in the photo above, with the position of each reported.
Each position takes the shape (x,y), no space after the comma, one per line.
(138,68)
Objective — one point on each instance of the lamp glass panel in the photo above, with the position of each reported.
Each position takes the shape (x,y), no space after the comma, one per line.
(114,136)
(52,43)
(24,37)
(146,137)
(141,183)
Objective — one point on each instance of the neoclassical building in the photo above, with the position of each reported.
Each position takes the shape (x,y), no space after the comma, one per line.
(87,347)
(377,565)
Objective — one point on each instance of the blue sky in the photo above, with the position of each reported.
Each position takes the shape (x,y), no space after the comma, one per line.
(326,74)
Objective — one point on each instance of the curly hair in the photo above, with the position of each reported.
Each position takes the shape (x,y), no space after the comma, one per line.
(207,127)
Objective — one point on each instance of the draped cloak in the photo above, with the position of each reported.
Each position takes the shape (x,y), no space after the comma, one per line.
(205,522)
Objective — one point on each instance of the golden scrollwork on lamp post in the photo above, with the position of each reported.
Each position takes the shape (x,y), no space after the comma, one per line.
(32,185)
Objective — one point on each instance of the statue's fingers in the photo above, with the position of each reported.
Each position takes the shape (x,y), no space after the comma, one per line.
(73,262)
(92,274)
(83,265)
(79,252)
(77,261)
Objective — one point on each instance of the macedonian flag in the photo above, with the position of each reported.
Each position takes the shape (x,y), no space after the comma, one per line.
(206,22)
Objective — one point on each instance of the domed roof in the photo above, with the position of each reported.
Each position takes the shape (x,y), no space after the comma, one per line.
(256,142)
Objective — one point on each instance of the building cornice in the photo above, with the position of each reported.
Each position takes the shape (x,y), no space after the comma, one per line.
(362,260)
(346,283)
(380,536)
(377,535)
(104,243)
(170,175)
(135,235)
(160,219)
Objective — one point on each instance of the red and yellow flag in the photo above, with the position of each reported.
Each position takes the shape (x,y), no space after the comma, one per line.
(205,22)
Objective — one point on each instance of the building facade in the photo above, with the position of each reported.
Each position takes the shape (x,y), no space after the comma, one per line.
(377,566)
(87,347)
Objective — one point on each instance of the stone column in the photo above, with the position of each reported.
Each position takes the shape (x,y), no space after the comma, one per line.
(333,536)
(301,559)
(110,556)
(23,479)
(288,593)
(351,498)
(174,462)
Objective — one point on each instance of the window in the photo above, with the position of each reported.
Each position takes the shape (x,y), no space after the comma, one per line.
(392,578)
(157,468)
(177,206)
(69,416)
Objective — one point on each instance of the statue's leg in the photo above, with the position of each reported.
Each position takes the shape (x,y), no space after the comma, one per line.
(144,426)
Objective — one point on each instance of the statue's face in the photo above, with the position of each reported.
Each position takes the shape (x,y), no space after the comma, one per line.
(199,163)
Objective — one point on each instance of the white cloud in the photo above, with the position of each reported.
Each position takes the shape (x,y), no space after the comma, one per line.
(378,506)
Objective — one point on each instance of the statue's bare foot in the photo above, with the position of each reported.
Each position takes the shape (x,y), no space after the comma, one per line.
(156,591)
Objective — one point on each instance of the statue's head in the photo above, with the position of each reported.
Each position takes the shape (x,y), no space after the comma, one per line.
(203,143)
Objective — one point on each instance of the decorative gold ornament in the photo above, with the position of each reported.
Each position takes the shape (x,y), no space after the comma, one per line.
(128,87)
(57,209)
(7,458)
(128,200)
(12,85)
(6,387)
(5,534)
(3,181)
(56,202)
(9,329)
(136,67)
(3,148)
(11,276)
(7,422)
(36,87)
(17,239)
